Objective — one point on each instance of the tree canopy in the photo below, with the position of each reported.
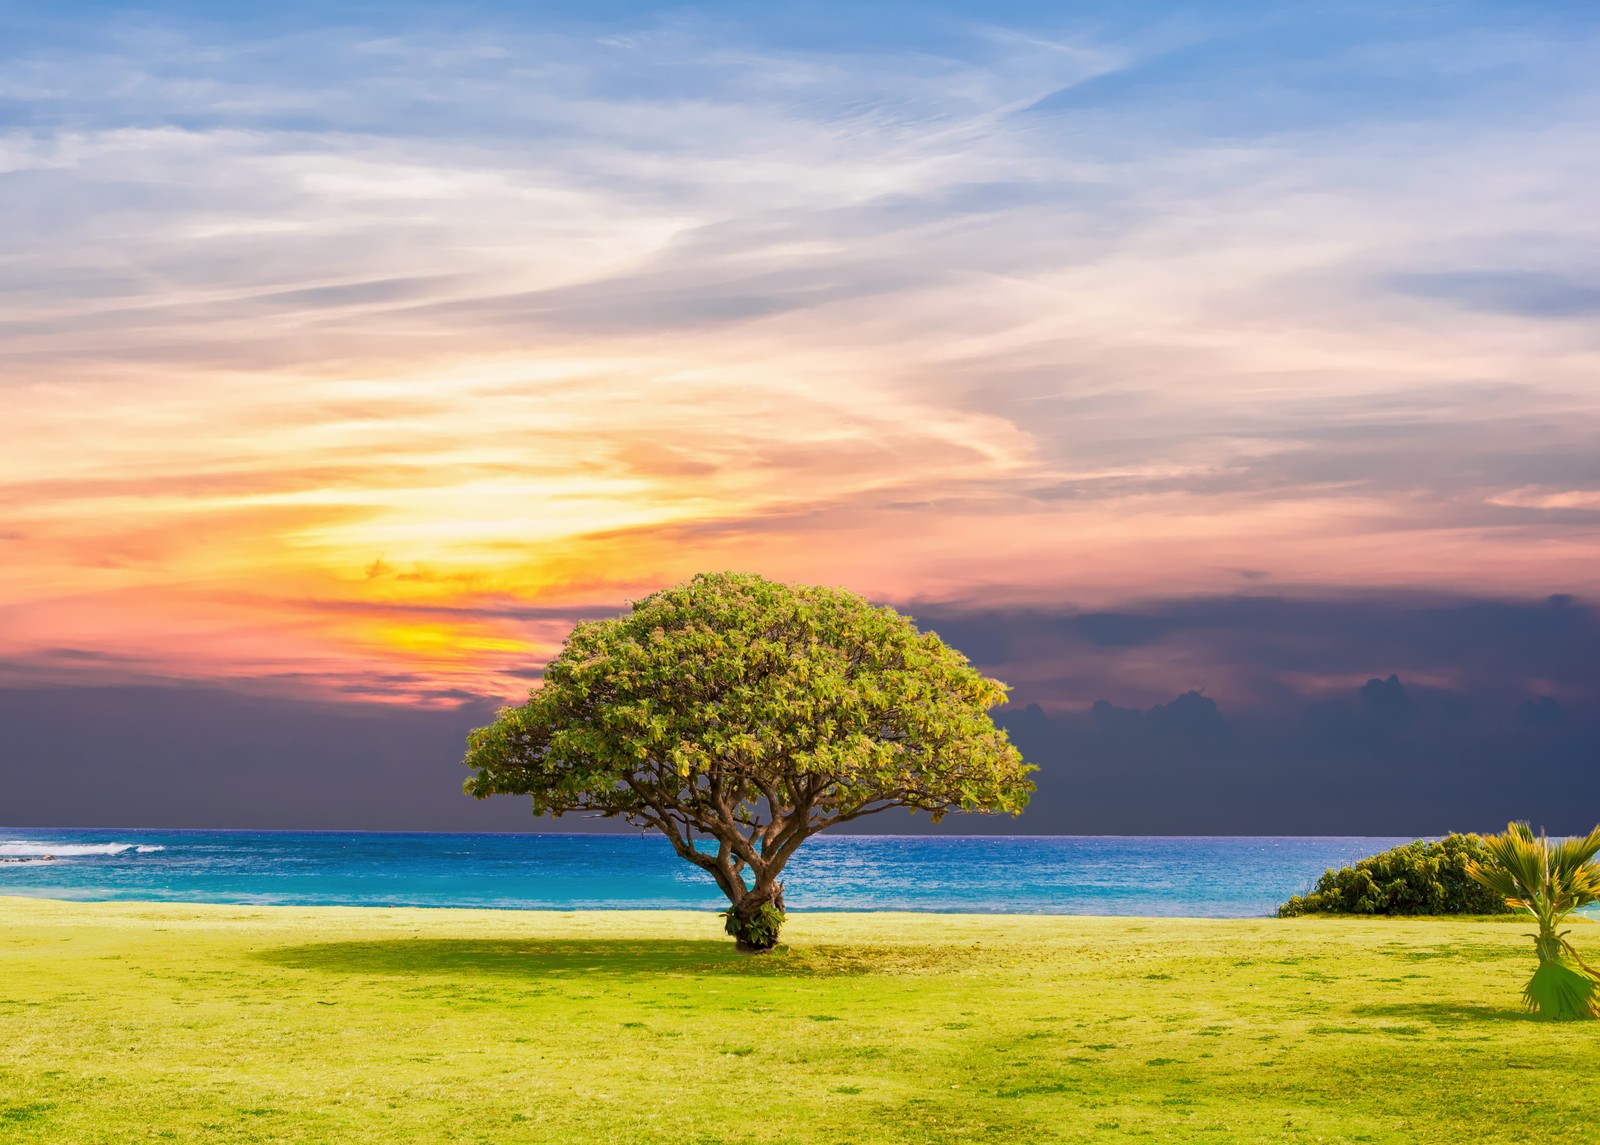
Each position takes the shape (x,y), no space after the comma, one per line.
(740,716)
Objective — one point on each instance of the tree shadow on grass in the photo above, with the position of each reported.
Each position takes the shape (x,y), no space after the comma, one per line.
(563,959)
(1446,1013)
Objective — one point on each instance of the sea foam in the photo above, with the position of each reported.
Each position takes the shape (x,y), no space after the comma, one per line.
(31,849)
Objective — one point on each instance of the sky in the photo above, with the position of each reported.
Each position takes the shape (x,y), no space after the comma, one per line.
(1238,351)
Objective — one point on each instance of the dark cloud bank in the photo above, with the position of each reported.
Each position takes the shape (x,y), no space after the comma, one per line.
(1471,712)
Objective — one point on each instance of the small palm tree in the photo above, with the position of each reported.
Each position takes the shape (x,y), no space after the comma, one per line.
(1549,880)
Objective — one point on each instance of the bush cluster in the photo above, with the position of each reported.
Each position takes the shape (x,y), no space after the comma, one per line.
(1417,878)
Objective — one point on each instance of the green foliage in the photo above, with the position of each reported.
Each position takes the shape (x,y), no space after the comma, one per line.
(1561,992)
(1549,880)
(1417,878)
(740,716)
(760,930)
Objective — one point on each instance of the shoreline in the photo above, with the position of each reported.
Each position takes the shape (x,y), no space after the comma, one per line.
(677,912)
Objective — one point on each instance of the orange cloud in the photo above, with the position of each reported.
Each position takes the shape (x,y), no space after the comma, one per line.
(382,411)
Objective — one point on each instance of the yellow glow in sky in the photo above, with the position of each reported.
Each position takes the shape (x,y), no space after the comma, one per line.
(369,406)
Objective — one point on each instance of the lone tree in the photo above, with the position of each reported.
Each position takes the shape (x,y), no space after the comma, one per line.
(739,717)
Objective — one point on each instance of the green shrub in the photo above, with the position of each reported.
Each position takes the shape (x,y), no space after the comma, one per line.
(760,930)
(1417,878)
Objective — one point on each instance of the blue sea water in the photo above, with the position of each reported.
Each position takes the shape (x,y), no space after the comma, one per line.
(1226,877)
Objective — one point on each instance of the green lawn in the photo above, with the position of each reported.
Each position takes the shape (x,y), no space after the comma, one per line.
(131,1022)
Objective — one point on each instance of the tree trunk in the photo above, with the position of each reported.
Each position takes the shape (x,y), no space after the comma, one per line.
(755,918)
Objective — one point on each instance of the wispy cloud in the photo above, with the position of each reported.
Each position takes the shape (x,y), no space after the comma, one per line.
(553,312)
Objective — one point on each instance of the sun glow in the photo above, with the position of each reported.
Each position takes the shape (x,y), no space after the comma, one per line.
(384,407)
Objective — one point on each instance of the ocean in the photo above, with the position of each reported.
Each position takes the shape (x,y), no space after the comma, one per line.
(1207,877)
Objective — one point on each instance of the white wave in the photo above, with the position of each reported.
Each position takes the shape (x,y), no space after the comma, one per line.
(20,849)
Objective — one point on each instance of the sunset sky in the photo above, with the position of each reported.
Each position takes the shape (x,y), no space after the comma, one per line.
(357,351)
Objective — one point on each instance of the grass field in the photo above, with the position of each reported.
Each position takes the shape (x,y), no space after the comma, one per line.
(131,1022)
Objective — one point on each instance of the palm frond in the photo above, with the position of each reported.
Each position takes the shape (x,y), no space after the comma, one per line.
(1497,879)
(1520,856)
(1558,991)
(1571,865)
